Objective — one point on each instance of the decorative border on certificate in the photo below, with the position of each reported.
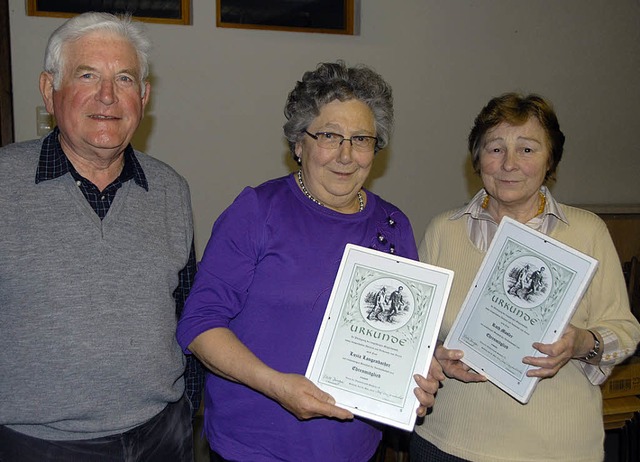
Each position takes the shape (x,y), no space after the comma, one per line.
(380,328)
(526,291)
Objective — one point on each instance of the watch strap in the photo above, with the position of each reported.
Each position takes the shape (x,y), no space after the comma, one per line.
(596,347)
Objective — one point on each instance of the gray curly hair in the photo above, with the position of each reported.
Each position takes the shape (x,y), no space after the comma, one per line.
(336,81)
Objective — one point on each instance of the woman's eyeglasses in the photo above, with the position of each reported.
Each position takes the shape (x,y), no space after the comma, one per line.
(330,140)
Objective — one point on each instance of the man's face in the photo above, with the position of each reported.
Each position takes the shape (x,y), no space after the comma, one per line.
(99,105)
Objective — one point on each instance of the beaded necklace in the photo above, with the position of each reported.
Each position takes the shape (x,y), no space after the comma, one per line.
(310,196)
(543,203)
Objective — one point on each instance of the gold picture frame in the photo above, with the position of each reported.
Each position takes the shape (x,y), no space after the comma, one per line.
(325,16)
(155,11)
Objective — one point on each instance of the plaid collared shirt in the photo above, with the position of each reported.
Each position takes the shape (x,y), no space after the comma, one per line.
(53,163)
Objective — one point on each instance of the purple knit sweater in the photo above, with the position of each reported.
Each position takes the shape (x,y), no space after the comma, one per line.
(266,274)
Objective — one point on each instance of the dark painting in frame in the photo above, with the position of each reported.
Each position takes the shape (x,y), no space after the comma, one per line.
(326,16)
(158,11)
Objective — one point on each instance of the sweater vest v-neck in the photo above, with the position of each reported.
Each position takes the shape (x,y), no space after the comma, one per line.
(87,314)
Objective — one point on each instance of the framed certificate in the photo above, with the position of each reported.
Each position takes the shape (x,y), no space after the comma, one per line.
(380,328)
(526,291)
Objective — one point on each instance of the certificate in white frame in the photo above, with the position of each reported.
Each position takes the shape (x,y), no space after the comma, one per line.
(379,329)
(525,291)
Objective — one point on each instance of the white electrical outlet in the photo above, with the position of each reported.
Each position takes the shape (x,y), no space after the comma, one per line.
(44,121)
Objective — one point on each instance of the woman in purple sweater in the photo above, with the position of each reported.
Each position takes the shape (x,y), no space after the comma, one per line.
(267,272)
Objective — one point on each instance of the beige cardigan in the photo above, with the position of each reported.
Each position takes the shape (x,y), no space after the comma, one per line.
(563,419)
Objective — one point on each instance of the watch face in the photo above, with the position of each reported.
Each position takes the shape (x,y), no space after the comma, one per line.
(596,347)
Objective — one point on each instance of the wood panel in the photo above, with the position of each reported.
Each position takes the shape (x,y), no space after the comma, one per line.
(6,93)
(623,222)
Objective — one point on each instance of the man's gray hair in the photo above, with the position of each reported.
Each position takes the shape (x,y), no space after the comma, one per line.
(86,23)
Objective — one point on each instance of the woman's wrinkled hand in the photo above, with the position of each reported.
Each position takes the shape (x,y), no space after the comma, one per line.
(300,396)
(454,368)
(557,354)
(428,387)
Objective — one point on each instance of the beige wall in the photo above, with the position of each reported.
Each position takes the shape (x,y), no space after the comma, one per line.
(218,94)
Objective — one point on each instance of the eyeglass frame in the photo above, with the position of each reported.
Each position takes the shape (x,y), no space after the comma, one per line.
(350,140)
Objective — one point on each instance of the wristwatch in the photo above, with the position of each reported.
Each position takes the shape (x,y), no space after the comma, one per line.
(596,347)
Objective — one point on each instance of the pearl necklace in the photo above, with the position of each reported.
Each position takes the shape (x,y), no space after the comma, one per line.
(310,196)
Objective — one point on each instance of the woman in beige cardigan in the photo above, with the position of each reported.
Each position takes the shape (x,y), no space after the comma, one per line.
(516,145)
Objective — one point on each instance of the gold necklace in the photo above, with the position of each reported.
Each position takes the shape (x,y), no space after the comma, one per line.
(310,196)
(543,202)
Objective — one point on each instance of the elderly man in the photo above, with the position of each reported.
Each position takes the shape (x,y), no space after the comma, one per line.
(96,259)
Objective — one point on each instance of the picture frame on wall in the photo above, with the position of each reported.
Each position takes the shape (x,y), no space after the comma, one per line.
(325,16)
(156,11)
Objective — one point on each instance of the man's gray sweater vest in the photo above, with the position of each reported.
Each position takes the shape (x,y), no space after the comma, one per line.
(87,315)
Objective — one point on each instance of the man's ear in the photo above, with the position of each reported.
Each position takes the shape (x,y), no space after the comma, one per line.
(145,98)
(46,90)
